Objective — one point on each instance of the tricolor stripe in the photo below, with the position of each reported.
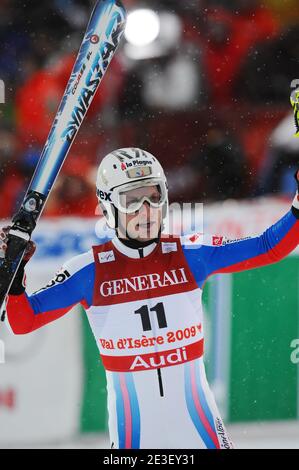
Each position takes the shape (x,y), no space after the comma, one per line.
(22,318)
(198,407)
(273,245)
(134,411)
(286,237)
(127,408)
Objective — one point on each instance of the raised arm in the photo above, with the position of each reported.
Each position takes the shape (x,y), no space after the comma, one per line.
(233,256)
(272,246)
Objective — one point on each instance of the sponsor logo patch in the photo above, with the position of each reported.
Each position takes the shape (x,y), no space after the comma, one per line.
(94,39)
(59,279)
(153,360)
(236,240)
(217,241)
(141,283)
(168,247)
(221,433)
(106,257)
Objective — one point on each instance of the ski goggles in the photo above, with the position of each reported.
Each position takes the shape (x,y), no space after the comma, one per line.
(129,198)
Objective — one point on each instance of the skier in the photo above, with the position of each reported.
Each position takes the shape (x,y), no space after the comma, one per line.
(142,295)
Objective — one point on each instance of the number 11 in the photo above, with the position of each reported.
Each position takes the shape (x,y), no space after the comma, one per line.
(145,317)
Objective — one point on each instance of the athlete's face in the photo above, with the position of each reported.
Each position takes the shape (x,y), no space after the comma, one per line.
(144,224)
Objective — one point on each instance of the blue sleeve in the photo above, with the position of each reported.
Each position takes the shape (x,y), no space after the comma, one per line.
(64,291)
(73,284)
(232,256)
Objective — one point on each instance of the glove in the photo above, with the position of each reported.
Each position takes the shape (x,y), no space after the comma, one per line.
(18,285)
(295,206)
(295,105)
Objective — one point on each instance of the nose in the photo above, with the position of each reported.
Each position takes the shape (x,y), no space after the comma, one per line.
(145,209)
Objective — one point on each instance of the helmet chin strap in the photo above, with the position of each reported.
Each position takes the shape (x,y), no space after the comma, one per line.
(132,242)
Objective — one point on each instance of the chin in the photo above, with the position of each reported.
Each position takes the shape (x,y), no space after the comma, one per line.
(146,236)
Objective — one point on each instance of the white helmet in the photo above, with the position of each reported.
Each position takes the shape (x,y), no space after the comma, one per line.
(126,169)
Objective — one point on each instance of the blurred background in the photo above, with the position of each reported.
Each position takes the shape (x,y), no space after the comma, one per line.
(204,85)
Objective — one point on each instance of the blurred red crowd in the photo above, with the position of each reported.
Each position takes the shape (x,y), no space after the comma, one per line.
(223,107)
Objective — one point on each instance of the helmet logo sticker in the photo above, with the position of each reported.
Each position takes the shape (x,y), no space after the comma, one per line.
(139,172)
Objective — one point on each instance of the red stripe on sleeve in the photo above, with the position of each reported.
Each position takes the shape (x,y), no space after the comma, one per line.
(21,316)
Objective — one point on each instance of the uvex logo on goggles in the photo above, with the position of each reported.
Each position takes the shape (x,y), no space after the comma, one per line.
(104,196)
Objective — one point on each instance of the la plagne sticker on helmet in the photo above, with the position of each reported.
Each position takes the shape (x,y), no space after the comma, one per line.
(135,163)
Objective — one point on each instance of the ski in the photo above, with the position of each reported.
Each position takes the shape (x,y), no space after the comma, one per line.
(102,37)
